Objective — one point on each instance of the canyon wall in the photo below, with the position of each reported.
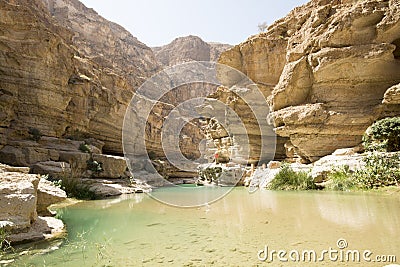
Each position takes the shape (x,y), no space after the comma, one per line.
(60,74)
(325,69)
(188,48)
(68,73)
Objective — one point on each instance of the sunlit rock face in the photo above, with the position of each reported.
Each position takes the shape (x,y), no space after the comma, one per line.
(65,69)
(325,68)
(188,48)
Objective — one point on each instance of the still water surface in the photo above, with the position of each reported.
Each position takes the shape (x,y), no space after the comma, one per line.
(139,231)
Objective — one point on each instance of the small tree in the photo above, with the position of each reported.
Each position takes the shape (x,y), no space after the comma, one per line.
(262,27)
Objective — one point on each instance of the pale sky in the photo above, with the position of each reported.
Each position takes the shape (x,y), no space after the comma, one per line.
(158,22)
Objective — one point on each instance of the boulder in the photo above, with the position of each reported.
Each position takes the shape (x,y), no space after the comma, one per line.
(47,195)
(52,168)
(41,229)
(113,166)
(22,195)
(103,188)
(392,95)
(274,165)
(261,178)
(18,199)
(77,160)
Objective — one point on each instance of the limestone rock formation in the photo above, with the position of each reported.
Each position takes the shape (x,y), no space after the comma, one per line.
(58,74)
(104,42)
(189,48)
(392,95)
(22,198)
(18,199)
(326,67)
(47,195)
(67,74)
(103,188)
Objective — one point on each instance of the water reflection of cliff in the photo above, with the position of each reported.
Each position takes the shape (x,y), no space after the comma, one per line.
(359,211)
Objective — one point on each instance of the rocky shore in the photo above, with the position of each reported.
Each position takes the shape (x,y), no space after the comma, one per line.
(24,199)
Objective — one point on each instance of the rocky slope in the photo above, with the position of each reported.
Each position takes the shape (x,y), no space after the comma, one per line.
(325,68)
(189,48)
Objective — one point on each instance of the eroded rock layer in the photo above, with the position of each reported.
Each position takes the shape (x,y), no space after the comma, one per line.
(189,48)
(325,68)
(50,85)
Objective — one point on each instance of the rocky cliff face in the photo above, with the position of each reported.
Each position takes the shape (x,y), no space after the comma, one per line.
(183,50)
(67,73)
(49,84)
(189,48)
(104,42)
(325,68)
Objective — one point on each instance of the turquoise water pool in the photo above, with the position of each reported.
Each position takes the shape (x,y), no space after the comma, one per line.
(234,231)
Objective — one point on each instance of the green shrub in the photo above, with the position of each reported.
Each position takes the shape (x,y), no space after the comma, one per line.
(4,243)
(379,170)
(341,179)
(210,174)
(288,179)
(35,134)
(84,148)
(383,135)
(72,184)
(94,166)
